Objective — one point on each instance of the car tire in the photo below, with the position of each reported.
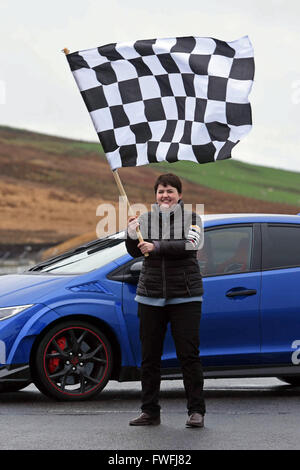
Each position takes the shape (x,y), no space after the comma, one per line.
(13,387)
(292,379)
(73,361)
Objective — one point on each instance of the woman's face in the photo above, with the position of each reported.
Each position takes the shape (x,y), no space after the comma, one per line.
(167,196)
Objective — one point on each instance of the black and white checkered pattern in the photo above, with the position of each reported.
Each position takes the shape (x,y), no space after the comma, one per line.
(167,99)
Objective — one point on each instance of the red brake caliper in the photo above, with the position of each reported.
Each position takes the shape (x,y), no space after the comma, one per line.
(54,362)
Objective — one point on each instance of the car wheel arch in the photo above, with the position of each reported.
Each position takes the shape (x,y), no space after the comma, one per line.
(94,321)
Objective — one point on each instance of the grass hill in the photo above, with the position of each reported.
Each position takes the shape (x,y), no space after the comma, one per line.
(50,187)
(233,176)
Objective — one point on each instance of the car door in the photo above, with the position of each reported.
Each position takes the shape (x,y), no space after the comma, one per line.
(280,301)
(229,332)
(230,323)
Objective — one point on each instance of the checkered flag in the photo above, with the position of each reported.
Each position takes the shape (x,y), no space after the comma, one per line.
(167,99)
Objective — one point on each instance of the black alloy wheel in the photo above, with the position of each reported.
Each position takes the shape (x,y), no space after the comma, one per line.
(73,361)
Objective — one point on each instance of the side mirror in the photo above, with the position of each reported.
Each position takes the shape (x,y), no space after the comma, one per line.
(135,268)
(130,274)
(134,272)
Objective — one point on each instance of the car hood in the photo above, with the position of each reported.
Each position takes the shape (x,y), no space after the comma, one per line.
(23,289)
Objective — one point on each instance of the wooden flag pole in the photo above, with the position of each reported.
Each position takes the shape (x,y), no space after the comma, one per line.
(123,194)
(122,191)
(120,185)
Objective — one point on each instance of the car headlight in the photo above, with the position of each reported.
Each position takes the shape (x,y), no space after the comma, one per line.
(8,312)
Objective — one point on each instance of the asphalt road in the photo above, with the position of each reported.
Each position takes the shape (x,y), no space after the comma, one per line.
(241,414)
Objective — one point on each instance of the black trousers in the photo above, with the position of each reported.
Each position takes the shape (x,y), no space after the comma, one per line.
(184,320)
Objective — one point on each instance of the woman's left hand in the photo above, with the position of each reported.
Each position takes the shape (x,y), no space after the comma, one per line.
(146,247)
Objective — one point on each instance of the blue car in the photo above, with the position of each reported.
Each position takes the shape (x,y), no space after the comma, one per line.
(70,324)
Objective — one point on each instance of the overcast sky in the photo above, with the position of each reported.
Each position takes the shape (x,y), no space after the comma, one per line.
(38,91)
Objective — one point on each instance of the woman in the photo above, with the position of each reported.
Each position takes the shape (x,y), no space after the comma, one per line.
(169,289)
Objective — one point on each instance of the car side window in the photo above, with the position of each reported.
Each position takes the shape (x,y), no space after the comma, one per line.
(226,250)
(281,246)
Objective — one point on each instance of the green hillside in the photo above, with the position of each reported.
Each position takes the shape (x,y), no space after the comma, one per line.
(233,176)
(54,145)
(230,176)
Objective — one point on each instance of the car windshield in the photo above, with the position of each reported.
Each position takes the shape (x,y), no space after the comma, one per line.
(85,258)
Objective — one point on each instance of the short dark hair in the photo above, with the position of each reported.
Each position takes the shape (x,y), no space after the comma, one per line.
(168,179)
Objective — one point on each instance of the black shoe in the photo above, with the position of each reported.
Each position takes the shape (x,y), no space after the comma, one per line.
(145,420)
(196,420)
